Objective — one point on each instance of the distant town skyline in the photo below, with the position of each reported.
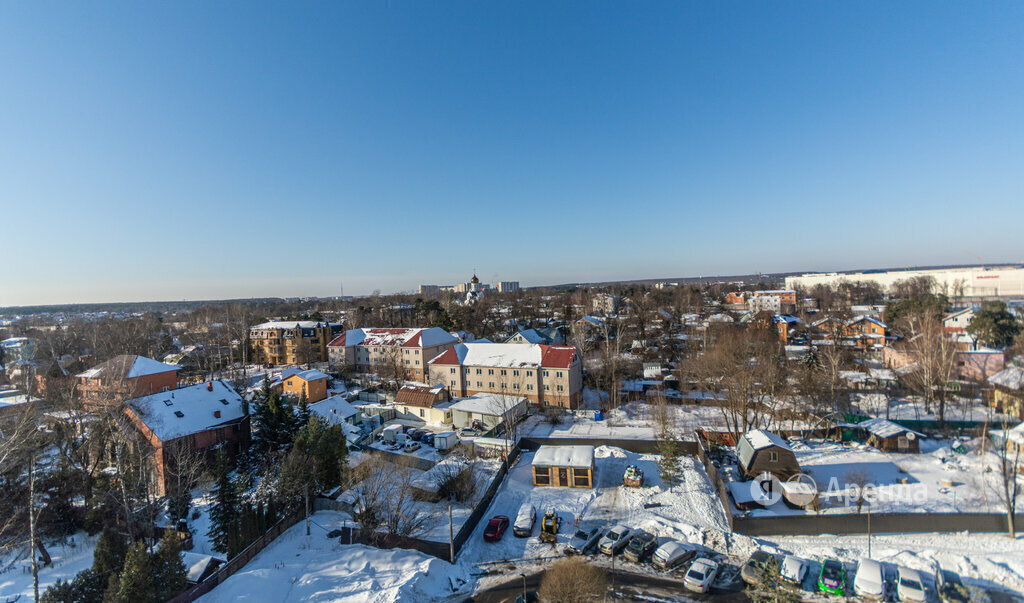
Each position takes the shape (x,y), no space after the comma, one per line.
(196,151)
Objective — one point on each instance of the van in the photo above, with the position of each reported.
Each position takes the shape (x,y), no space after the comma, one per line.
(869,581)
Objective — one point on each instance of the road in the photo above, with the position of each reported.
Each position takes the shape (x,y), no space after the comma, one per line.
(625,588)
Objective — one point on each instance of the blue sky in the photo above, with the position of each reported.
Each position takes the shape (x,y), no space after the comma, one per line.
(209,150)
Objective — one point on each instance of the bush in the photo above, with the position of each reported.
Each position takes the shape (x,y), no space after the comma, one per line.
(573,580)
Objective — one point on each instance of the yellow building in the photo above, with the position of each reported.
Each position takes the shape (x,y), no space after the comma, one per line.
(287,342)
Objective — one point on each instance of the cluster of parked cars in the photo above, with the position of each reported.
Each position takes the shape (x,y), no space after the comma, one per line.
(868,581)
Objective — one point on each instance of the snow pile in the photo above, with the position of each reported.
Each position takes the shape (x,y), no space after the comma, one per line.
(296,567)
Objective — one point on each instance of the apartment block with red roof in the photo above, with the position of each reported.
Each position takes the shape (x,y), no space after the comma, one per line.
(374,350)
(546,375)
(123,377)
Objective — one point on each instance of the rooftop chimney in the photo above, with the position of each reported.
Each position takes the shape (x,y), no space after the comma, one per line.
(216,414)
(209,386)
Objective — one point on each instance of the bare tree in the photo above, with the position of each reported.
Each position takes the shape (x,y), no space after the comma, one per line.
(934,354)
(573,580)
(1009,466)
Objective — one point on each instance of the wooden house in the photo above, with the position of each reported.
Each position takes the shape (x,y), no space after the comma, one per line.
(890,437)
(564,466)
(761,451)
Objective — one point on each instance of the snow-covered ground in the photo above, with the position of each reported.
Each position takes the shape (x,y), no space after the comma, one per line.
(69,558)
(296,567)
(912,408)
(835,467)
(690,511)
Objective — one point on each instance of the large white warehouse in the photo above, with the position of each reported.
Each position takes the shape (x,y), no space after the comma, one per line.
(976,282)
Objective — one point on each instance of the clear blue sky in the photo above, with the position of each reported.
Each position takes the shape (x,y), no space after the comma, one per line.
(207,150)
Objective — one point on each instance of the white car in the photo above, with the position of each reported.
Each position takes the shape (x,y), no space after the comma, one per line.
(701,574)
(525,519)
(794,570)
(582,541)
(869,581)
(412,446)
(909,586)
(615,540)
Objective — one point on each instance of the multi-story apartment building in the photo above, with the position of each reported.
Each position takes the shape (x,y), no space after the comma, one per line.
(605,303)
(401,353)
(124,377)
(506,286)
(291,342)
(546,375)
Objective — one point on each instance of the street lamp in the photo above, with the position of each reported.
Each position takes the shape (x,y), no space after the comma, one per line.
(523,576)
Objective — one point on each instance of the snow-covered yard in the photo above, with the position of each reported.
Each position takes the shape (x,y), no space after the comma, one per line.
(936,480)
(69,558)
(296,567)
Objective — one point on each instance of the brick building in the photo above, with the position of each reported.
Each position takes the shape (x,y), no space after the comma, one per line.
(291,342)
(405,351)
(123,377)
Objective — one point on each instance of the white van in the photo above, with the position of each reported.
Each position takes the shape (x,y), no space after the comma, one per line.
(869,582)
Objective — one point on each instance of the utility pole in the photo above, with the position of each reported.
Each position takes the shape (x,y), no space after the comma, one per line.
(869,531)
(451,536)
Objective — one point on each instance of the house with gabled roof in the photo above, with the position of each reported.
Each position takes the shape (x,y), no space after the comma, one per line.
(374,350)
(311,383)
(761,451)
(197,419)
(123,377)
(546,375)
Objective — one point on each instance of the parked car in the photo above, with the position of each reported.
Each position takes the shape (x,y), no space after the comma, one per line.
(428,439)
(672,554)
(701,574)
(412,446)
(525,519)
(909,586)
(951,588)
(615,540)
(759,566)
(794,570)
(869,581)
(832,579)
(640,546)
(469,431)
(496,528)
(582,541)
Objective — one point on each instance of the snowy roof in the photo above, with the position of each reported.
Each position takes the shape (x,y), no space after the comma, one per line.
(885,428)
(407,338)
(127,366)
(488,404)
(310,375)
(564,456)
(181,412)
(1011,377)
(531,336)
(334,409)
(196,564)
(508,355)
(863,317)
(292,324)
(760,438)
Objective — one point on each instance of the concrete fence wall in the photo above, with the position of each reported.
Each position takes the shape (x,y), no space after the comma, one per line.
(876,523)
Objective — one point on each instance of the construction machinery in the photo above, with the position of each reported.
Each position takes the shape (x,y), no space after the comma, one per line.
(633,477)
(549,526)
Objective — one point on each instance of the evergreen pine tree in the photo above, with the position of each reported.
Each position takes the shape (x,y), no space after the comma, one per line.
(225,512)
(303,410)
(668,465)
(88,586)
(169,573)
(108,556)
(136,583)
(58,592)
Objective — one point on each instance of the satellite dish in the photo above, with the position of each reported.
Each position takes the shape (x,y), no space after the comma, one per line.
(911,436)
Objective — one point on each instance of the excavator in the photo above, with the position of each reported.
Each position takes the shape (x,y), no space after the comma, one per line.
(549,526)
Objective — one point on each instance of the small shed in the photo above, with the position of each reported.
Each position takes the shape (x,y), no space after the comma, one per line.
(391,432)
(762,451)
(891,437)
(446,440)
(564,466)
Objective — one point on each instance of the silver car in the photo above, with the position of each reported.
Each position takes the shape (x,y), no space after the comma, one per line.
(582,541)
(615,540)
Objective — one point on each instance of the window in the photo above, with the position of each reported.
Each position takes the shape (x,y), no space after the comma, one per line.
(529,387)
(515,386)
(179,414)
(417,363)
(529,373)
(490,371)
(490,384)
(479,372)
(452,372)
(547,388)
(453,382)
(479,383)
(773,456)
(559,388)
(558,374)
(503,372)
(423,412)
(580,478)
(168,403)
(223,401)
(545,373)
(542,476)
(515,373)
